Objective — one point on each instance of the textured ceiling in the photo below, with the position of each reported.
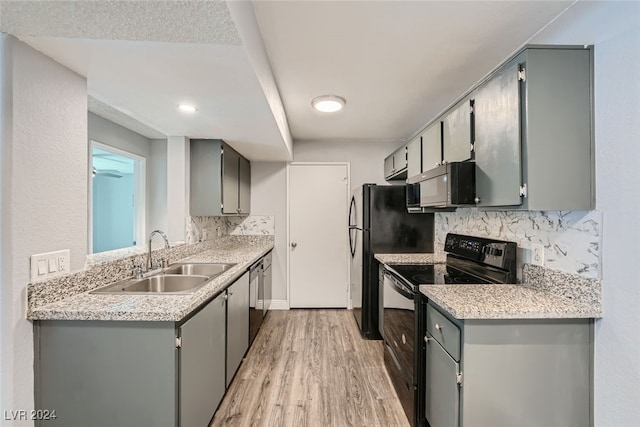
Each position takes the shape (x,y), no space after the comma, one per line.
(252,68)
(164,21)
(142,58)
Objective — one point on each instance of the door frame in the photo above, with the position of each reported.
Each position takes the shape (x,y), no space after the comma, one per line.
(347,200)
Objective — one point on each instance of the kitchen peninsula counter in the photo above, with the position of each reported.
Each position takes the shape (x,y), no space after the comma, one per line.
(241,250)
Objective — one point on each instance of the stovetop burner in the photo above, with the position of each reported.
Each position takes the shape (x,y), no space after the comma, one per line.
(426,274)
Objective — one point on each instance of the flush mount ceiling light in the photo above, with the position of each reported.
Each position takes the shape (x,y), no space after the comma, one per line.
(328,103)
(187,108)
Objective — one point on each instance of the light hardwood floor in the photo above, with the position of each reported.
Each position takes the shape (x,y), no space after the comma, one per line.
(311,368)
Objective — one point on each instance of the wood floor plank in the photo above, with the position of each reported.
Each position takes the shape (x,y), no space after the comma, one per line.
(311,368)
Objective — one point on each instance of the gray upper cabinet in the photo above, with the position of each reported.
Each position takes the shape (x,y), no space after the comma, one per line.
(498,167)
(230,182)
(244,183)
(432,146)
(457,127)
(220,179)
(533,132)
(414,157)
(395,165)
(202,364)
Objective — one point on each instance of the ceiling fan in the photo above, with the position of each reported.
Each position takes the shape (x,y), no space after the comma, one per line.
(110,173)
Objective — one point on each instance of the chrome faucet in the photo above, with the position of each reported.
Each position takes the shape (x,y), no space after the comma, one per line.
(166,246)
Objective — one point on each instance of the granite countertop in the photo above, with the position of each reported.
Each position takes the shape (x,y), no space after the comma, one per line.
(544,294)
(170,308)
(505,302)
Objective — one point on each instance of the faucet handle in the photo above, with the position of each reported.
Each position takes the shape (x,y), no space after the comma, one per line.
(137,269)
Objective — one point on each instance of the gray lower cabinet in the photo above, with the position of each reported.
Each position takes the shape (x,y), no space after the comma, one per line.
(134,373)
(237,324)
(533,132)
(107,374)
(202,364)
(505,373)
(442,408)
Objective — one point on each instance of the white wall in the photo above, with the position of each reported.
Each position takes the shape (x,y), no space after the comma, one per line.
(366,157)
(44,193)
(157,164)
(178,183)
(614,29)
(111,134)
(269,197)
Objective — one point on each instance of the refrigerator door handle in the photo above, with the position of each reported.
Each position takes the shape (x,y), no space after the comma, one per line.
(351,210)
(352,243)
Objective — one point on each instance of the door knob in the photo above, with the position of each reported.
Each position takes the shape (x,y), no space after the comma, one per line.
(294,244)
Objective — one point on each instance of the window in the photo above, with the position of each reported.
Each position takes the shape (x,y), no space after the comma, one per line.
(116,205)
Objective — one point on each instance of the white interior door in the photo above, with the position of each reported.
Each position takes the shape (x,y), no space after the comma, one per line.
(318,236)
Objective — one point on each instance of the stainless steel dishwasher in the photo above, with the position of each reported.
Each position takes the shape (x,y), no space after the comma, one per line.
(256,291)
(267,286)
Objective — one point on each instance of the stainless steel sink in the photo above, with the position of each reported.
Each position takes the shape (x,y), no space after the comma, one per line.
(198,268)
(179,278)
(159,284)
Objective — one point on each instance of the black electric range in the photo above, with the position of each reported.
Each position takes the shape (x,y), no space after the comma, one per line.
(470,260)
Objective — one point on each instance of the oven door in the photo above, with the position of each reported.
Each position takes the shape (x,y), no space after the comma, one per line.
(399,305)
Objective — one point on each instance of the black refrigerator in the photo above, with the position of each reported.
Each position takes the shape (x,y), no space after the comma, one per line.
(380,224)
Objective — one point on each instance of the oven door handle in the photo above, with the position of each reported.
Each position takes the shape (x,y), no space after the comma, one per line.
(400,287)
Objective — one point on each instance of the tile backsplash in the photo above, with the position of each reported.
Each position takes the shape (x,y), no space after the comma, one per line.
(202,228)
(252,225)
(572,240)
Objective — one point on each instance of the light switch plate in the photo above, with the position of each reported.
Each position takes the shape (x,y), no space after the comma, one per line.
(50,264)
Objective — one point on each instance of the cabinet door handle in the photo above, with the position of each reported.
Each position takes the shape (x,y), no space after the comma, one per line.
(225,297)
(294,244)
(438,327)
(477,200)
(230,293)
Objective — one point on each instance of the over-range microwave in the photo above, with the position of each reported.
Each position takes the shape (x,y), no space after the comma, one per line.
(446,186)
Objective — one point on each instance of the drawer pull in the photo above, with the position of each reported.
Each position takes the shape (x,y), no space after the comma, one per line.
(438,327)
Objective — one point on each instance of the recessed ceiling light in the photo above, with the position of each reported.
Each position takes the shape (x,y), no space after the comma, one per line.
(328,103)
(187,108)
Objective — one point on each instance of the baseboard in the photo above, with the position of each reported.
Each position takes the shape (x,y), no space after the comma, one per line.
(279,304)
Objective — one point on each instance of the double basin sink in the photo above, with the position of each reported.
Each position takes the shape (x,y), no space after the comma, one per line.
(180,278)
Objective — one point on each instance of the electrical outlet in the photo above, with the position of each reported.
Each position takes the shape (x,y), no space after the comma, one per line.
(63,261)
(537,254)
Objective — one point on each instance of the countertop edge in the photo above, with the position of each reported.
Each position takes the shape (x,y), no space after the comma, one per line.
(164,313)
(572,310)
